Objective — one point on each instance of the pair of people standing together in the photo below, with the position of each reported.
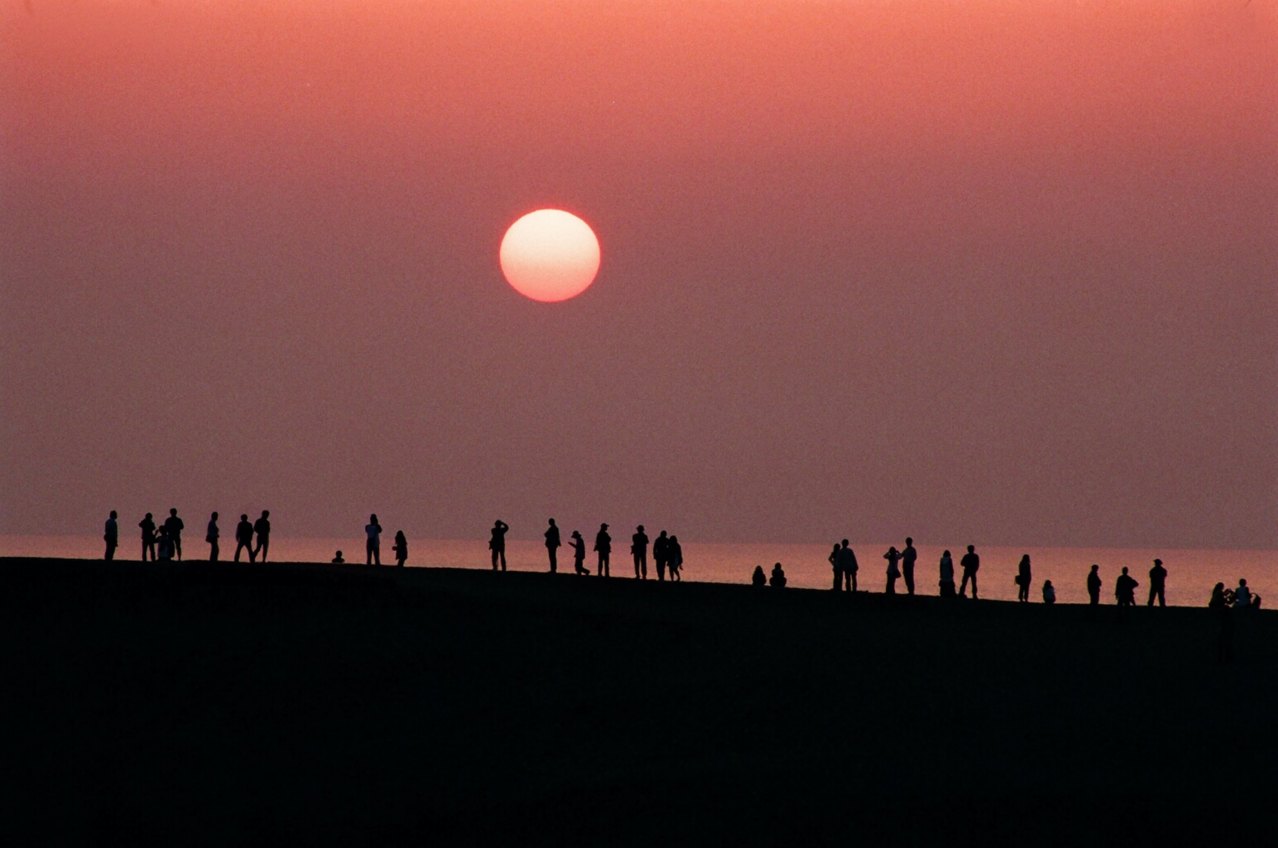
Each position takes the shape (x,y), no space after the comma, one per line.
(373,544)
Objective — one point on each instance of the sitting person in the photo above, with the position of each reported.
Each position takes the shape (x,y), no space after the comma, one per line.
(777,580)
(758,578)
(337,558)
(1049,592)
(1242,595)
(1219,597)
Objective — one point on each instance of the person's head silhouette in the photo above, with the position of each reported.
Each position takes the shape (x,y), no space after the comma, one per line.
(372,519)
(1124,569)
(552,522)
(243,516)
(113,515)
(1095,567)
(909,540)
(173,511)
(639,528)
(971,549)
(213,516)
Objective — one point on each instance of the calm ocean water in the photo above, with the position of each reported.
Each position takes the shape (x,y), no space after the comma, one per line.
(1191,573)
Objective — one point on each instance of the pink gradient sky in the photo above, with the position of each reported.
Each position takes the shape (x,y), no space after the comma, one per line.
(985,271)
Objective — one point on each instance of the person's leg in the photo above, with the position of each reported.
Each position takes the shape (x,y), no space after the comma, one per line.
(110,552)
(177,547)
(909,579)
(503,557)
(494,557)
(973,585)
(377,553)
(213,552)
(838,580)
(1162,598)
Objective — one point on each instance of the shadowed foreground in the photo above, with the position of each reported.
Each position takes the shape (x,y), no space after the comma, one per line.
(212,704)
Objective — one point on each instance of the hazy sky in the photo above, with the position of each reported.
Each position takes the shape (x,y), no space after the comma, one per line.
(1001,272)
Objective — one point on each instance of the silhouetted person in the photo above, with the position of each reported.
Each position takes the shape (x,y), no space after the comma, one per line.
(553,544)
(758,579)
(1023,579)
(603,545)
(165,544)
(675,552)
(777,581)
(338,559)
(1049,592)
(243,538)
(175,526)
(1094,585)
(947,575)
(400,548)
(908,556)
(893,556)
(970,563)
(579,553)
(262,527)
(833,559)
(1157,583)
(373,541)
(111,535)
(1242,596)
(848,566)
(639,547)
(211,536)
(661,554)
(1220,607)
(147,526)
(497,543)
(1125,589)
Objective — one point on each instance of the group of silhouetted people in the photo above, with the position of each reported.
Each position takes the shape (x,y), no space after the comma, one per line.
(667,554)
(164,541)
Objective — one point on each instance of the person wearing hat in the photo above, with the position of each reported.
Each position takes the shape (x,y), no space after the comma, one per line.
(1157,581)
(603,544)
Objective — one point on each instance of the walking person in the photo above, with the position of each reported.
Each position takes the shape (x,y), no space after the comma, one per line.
(244,538)
(147,525)
(603,544)
(1157,583)
(175,526)
(1023,579)
(833,559)
(661,554)
(553,544)
(111,535)
(892,556)
(947,575)
(676,559)
(970,563)
(211,536)
(373,544)
(497,543)
(639,548)
(262,527)
(848,566)
(1094,585)
(908,556)
(400,547)
(579,553)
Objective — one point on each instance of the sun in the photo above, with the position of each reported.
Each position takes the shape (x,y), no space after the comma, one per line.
(549,255)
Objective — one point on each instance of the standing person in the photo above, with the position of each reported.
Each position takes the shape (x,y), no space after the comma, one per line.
(639,547)
(111,535)
(401,548)
(970,563)
(244,538)
(579,553)
(1094,585)
(211,536)
(1023,579)
(848,565)
(1125,589)
(603,544)
(1049,592)
(373,544)
(147,525)
(175,526)
(833,559)
(165,544)
(1157,582)
(908,556)
(661,554)
(262,527)
(893,570)
(676,559)
(497,543)
(553,544)
(947,575)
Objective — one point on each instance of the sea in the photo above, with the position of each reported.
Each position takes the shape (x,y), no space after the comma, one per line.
(1191,573)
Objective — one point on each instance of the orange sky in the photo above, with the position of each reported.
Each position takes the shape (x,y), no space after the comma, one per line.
(985,267)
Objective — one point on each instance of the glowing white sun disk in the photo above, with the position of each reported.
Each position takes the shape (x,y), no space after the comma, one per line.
(550,255)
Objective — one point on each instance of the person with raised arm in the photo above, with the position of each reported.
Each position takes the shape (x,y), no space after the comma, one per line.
(373,542)
(147,525)
(893,556)
(497,543)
